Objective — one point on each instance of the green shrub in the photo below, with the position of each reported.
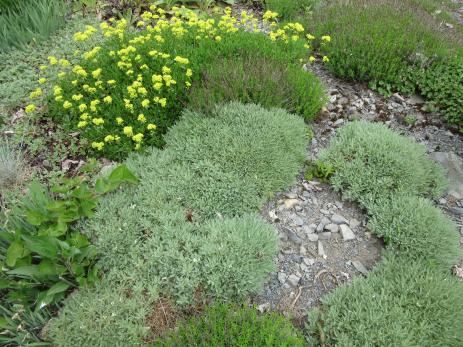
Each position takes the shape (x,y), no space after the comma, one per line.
(291,9)
(227,325)
(258,80)
(372,162)
(23,21)
(401,303)
(186,226)
(105,316)
(442,84)
(417,230)
(125,94)
(378,41)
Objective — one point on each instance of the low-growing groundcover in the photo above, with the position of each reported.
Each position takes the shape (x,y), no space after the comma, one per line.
(416,229)
(395,46)
(372,162)
(401,303)
(409,299)
(228,325)
(187,226)
(125,93)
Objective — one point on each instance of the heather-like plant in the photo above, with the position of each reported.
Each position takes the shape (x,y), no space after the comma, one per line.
(417,230)
(226,325)
(401,303)
(372,162)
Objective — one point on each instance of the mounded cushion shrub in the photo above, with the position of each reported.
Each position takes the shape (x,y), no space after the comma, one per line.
(416,229)
(401,303)
(372,162)
(186,226)
(260,80)
(227,325)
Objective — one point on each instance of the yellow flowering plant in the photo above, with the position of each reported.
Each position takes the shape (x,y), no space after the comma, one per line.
(125,93)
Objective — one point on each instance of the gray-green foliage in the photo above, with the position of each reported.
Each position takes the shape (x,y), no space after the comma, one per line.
(12,166)
(401,303)
(187,224)
(418,230)
(372,162)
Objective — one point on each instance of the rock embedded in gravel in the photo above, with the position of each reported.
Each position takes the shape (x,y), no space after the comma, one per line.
(324,236)
(347,233)
(312,237)
(360,267)
(338,219)
(273,216)
(289,203)
(454,166)
(334,228)
(308,261)
(292,236)
(298,221)
(321,250)
(293,280)
(354,223)
(282,277)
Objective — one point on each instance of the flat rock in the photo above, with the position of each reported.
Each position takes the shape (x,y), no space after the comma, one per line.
(292,236)
(454,166)
(347,233)
(360,267)
(338,219)
(312,237)
(273,216)
(325,235)
(334,228)
(298,221)
(294,280)
(289,203)
(321,250)
(354,223)
(281,277)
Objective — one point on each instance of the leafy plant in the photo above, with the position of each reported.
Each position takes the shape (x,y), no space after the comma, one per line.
(417,230)
(43,255)
(372,162)
(227,325)
(410,120)
(318,169)
(291,9)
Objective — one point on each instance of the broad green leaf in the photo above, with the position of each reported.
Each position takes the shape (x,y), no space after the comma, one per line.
(35,217)
(122,174)
(45,246)
(48,267)
(26,271)
(14,252)
(58,288)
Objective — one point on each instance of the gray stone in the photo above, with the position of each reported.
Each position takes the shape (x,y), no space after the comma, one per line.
(282,277)
(454,166)
(303,267)
(273,216)
(324,236)
(347,233)
(334,228)
(360,267)
(320,227)
(338,219)
(289,203)
(298,221)
(312,237)
(339,122)
(291,195)
(321,250)
(416,100)
(292,236)
(325,212)
(309,261)
(354,223)
(294,280)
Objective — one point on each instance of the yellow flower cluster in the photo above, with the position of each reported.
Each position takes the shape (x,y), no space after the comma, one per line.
(118,93)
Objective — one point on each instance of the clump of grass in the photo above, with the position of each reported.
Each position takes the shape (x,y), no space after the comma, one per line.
(401,303)
(12,166)
(417,230)
(22,22)
(372,162)
(233,325)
